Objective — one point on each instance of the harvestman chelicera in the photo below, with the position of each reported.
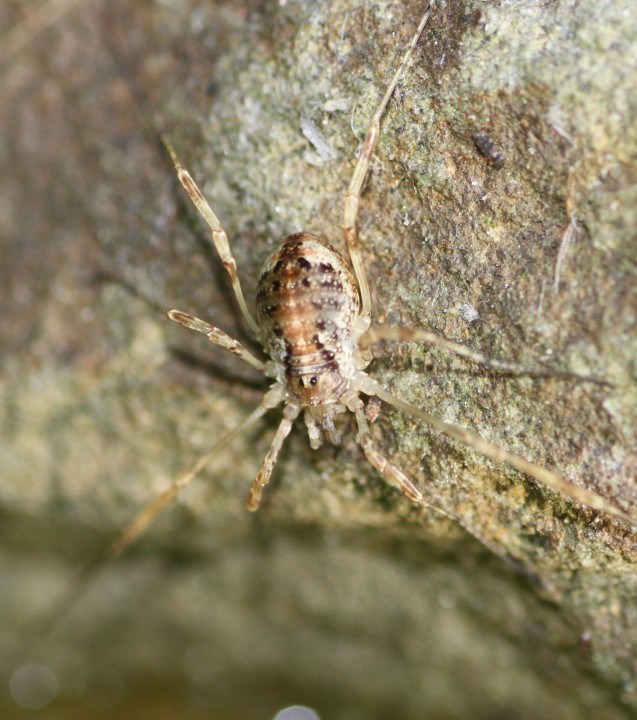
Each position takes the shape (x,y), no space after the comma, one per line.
(313,318)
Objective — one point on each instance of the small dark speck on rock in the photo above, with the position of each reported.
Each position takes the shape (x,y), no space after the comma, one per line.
(489,149)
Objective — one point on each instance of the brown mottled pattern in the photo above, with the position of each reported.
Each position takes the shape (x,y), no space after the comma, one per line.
(307,302)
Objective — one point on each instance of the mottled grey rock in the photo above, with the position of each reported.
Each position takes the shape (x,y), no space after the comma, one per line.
(338,594)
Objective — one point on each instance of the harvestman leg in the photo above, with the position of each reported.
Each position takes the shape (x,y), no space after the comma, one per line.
(354,190)
(391,473)
(396,477)
(270,400)
(219,236)
(216,336)
(146,516)
(290,413)
(405,334)
(369,386)
(80,584)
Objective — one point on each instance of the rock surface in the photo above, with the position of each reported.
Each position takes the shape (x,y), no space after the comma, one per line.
(510,143)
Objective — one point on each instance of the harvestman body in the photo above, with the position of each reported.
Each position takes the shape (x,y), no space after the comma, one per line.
(313,319)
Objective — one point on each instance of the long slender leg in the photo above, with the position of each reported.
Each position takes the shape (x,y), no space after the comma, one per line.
(216,336)
(404,334)
(290,413)
(141,522)
(353,194)
(219,236)
(81,583)
(495,452)
(396,477)
(387,470)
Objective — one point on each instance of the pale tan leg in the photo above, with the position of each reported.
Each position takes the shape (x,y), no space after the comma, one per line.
(141,522)
(219,237)
(397,478)
(353,194)
(290,413)
(216,336)
(387,470)
(404,334)
(495,452)
(146,516)
(81,583)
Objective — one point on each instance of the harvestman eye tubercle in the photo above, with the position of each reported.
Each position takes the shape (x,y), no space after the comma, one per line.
(313,319)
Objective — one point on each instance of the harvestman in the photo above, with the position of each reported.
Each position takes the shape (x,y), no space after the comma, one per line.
(313,318)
